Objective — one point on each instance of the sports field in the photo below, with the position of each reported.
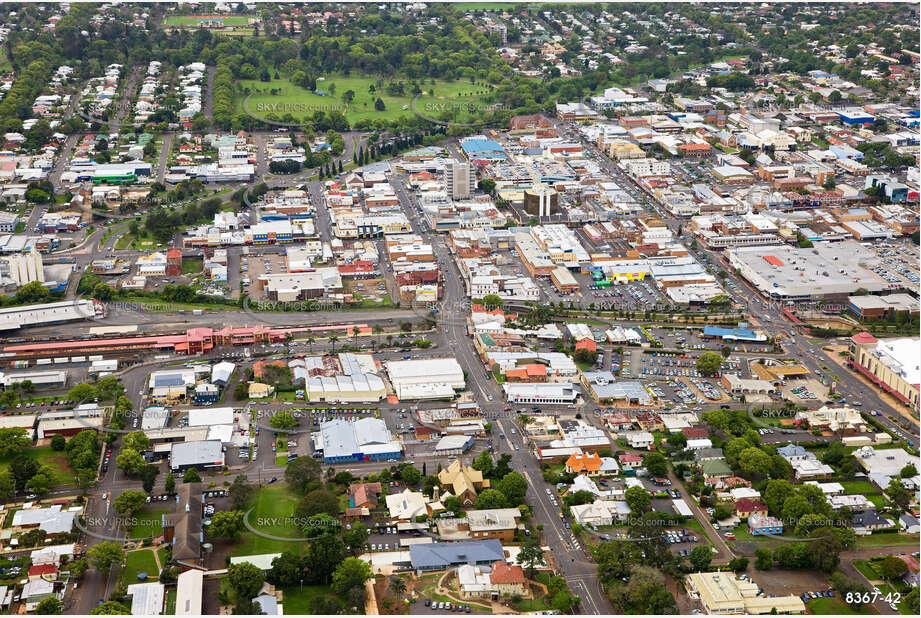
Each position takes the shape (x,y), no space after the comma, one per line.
(274,99)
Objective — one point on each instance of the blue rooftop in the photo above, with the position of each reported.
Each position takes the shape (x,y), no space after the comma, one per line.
(444,555)
(483,148)
(739,334)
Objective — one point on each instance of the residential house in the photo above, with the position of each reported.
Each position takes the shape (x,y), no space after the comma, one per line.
(760,523)
(747,506)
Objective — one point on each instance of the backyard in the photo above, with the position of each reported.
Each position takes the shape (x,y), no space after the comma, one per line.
(140,561)
(148,523)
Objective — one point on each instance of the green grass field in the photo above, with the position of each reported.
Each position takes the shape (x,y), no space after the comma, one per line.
(45,456)
(273,508)
(887,538)
(149,523)
(858,487)
(140,561)
(296,600)
(191,20)
(834,605)
(300,103)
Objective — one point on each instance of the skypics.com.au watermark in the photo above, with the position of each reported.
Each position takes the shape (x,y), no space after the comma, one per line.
(298,108)
(109,528)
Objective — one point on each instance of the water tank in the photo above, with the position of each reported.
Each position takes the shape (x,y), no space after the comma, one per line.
(207,548)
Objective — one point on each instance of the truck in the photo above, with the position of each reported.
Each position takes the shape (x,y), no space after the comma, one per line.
(197,312)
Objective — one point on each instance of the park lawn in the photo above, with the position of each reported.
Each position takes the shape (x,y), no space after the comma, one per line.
(296,600)
(191,20)
(149,523)
(834,605)
(281,460)
(858,487)
(272,513)
(45,456)
(140,561)
(192,266)
(142,241)
(301,103)
(883,539)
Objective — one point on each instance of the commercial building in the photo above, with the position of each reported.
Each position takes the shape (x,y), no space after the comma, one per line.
(539,393)
(498,524)
(460,179)
(826,271)
(339,378)
(722,592)
(147,598)
(605,388)
(198,454)
(432,378)
(869,307)
(366,439)
(891,364)
(441,556)
(23,268)
(189,592)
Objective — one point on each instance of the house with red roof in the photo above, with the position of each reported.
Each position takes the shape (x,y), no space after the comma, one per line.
(43,571)
(532,372)
(508,579)
(746,506)
(695,432)
(630,461)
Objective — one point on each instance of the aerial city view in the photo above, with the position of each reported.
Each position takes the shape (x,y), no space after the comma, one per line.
(473,308)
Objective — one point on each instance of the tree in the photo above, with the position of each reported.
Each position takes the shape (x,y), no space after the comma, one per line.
(226,525)
(410,475)
(709,363)
(530,555)
(13,440)
(644,593)
(356,537)
(245,580)
(379,105)
(7,485)
(130,461)
(397,585)
(48,606)
(318,501)
(754,462)
(58,442)
(323,555)
(484,463)
(191,476)
(103,556)
(891,567)
(283,420)
(129,502)
(700,557)
(303,473)
(908,471)
(638,499)
(492,301)
(776,493)
(738,564)
(490,499)
(351,573)
(42,482)
(82,393)
(514,487)
(240,491)
(149,477)
(764,559)
(111,608)
(169,485)
(656,464)
(614,559)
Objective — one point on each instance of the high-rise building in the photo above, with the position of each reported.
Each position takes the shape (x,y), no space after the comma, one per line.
(460,180)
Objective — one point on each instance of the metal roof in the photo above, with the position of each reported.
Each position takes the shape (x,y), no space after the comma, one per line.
(443,555)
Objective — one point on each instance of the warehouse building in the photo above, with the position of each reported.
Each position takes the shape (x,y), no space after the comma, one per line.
(12,318)
(722,592)
(200,454)
(431,378)
(39,379)
(366,439)
(869,307)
